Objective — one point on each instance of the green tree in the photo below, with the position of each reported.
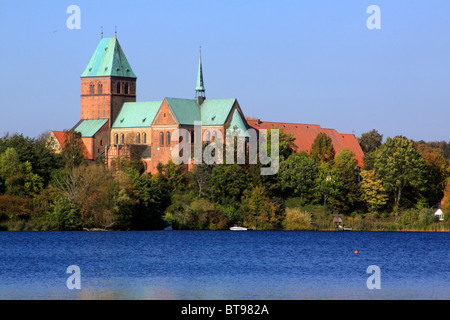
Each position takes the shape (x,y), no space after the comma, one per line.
(328,184)
(369,142)
(153,198)
(322,148)
(33,183)
(173,175)
(398,164)
(298,173)
(10,164)
(228,182)
(345,161)
(11,172)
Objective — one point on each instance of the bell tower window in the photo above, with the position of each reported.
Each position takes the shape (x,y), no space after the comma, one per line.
(118,87)
(126,88)
(100,88)
(92,89)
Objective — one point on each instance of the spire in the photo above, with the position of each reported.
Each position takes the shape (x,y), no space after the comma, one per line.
(200,89)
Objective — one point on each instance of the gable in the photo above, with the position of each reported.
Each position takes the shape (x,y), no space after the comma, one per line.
(186,111)
(164,115)
(237,123)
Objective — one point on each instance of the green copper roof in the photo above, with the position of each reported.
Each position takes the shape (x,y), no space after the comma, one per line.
(211,112)
(238,124)
(89,127)
(216,111)
(137,114)
(108,60)
(200,88)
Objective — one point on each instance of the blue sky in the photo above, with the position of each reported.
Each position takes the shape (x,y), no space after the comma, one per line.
(298,61)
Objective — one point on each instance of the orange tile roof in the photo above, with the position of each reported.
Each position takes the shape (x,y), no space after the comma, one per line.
(60,136)
(305,134)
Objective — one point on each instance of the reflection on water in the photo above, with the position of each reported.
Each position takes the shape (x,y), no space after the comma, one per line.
(224,265)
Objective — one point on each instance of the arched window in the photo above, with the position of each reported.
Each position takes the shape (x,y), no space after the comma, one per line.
(214,135)
(161,138)
(116,138)
(126,88)
(100,88)
(139,138)
(208,136)
(144,136)
(145,166)
(192,136)
(122,137)
(168,138)
(118,87)
(92,88)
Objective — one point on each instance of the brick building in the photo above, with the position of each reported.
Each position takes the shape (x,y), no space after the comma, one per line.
(114,125)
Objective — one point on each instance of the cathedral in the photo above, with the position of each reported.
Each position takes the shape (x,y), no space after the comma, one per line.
(115,126)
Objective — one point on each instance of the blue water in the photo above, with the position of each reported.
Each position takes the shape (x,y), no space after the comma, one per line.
(245,265)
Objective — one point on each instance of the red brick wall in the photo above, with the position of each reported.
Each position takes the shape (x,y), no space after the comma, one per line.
(107,101)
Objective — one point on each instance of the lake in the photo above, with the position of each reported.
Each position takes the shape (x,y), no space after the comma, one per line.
(238,265)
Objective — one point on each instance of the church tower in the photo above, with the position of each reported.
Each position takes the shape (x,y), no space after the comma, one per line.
(107,82)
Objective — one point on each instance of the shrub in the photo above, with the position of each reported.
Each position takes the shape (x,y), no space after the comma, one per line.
(297,219)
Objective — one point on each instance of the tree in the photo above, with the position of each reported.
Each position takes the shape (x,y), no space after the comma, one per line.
(228,182)
(263,213)
(328,184)
(345,161)
(286,143)
(446,201)
(322,148)
(174,175)
(372,191)
(11,172)
(10,164)
(437,169)
(369,142)
(298,173)
(201,176)
(398,164)
(73,150)
(88,191)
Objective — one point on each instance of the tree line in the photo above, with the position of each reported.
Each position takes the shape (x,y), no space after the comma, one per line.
(44,190)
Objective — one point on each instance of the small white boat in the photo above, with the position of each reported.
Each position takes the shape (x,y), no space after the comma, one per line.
(236,228)
(169,228)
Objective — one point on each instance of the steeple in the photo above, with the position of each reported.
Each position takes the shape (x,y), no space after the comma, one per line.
(200,89)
